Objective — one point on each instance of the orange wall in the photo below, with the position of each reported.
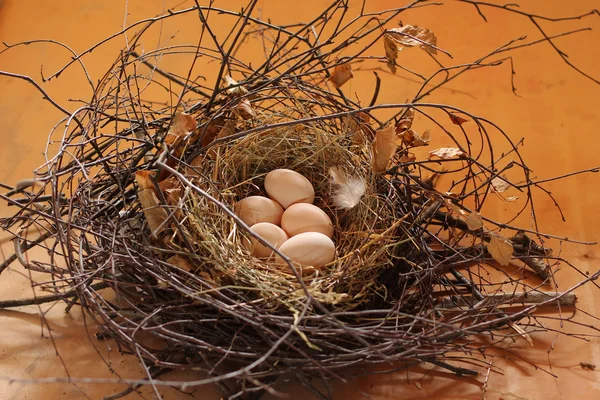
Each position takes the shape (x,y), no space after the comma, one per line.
(557,113)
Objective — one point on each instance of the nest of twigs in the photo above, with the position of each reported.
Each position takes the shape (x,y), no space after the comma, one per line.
(406,283)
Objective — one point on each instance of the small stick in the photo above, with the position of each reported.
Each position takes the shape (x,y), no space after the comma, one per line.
(47,299)
(564,299)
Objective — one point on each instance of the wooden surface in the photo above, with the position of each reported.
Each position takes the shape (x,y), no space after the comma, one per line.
(556,113)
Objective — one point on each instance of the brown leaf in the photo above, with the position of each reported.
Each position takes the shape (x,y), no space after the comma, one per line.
(227,130)
(411,138)
(341,74)
(499,185)
(182,263)
(412,35)
(447,153)
(363,117)
(457,119)
(406,121)
(181,126)
(384,147)
(142,178)
(210,132)
(154,213)
(410,157)
(500,249)
(474,221)
(169,183)
(245,110)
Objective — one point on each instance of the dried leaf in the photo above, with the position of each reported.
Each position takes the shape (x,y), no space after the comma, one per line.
(349,190)
(408,158)
(341,74)
(210,132)
(384,147)
(412,35)
(364,117)
(453,208)
(154,213)
(245,110)
(169,183)
(500,249)
(411,138)
(182,263)
(474,221)
(406,122)
(237,90)
(142,178)
(182,125)
(457,119)
(391,51)
(418,385)
(447,153)
(499,185)
(511,198)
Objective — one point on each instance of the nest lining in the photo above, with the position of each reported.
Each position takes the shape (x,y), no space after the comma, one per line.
(366,236)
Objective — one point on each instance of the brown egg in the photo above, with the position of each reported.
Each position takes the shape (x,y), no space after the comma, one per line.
(288,187)
(308,249)
(255,209)
(271,233)
(302,217)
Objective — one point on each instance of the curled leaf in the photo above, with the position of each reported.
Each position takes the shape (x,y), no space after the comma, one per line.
(245,110)
(341,74)
(227,130)
(405,122)
(182,125)
(500,249)
(154,213)
(499,185)
(232,88)
(457,119)
(412,35)
(410,138)
(447,153)
(384,147)
(142,178)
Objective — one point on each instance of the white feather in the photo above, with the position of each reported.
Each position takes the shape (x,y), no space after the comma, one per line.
(348,190)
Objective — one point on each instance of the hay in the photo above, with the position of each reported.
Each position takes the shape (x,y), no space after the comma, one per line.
(366,236)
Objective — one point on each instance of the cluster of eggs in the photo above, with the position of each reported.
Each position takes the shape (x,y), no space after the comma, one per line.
(288,220)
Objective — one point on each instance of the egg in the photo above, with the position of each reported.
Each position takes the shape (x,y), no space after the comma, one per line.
(302,217)
(288,187)
(271,233)
(308,249)
(255,209)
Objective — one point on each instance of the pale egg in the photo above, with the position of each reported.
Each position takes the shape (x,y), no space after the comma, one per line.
(271,233)
(255,209)
(302,217)
(288,187)
(308,249)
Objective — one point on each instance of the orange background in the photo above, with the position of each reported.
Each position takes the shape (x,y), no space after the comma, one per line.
(557,113)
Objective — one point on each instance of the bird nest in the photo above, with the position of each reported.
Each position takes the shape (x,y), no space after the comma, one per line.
(138,202)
